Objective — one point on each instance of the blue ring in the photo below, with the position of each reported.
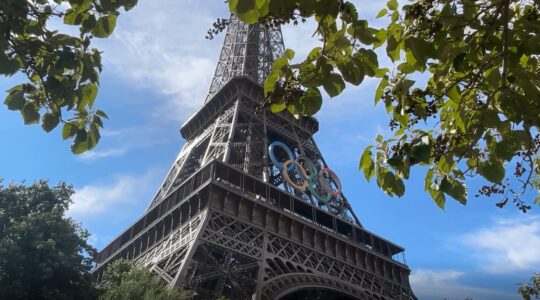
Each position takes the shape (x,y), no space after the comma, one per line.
(273,156)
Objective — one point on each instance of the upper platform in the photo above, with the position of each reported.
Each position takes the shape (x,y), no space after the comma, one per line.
(238,86)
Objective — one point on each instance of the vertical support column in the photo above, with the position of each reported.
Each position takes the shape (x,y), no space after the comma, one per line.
(298,141)
(182,269)
(262,265)
(265,148)
(231,132)
(205,157)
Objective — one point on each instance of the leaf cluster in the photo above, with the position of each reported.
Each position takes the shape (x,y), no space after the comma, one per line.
(342,58)
(530,290)
(478,113)
(62,70)
(124,279)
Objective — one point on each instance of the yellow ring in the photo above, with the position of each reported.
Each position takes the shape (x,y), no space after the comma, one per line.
(286,175)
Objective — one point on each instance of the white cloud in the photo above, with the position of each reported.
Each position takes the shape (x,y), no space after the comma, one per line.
(160,46)
(423,276)
(94,154)
(508,245)
(102,198)
(118,142)
(444,284)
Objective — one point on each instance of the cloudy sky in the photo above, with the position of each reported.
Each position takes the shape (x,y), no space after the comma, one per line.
(157,69)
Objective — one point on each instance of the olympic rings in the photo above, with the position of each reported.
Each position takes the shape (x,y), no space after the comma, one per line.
(313,179)
(325,183)
(287,177)
(278,164)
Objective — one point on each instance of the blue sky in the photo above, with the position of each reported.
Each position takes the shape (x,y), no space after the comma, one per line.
(157,69)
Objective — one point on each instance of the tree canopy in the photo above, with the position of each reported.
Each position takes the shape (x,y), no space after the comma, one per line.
(61,70)
(43,254)
(531,290)
(125,280)
(462,95)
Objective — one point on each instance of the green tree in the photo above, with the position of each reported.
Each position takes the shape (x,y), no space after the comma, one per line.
(478,113)
(62,70)
(531,290)
(124,279)
(43,254)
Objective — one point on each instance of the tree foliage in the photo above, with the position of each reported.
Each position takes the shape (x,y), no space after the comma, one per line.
(62,70)
(43,254)
(125,280)
(462,96)
(531,290)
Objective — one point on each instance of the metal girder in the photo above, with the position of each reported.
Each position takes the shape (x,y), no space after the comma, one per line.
(248,50)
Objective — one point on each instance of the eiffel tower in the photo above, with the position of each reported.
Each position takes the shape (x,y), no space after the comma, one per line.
(250,208)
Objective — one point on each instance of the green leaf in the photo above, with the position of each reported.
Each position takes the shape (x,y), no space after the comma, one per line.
(392,4)
(101,114)
(490,118)
(446,164)
(458,62)
(88,95)
(277,107)
(393,48)
(89,24)
(271,81)
(79,147)
(310,102)
(289,54)
(453,94)
(366,164)
(69,130)
(329,8)
(367,59)
(314,54)
(421,153)
(246,10)
(454,189)
(30,114)
(351,72)
(399,187)
(80,143)
(73,17)
(129,4)
(380,89)
(334,84)
(8,66)
(438,197)
(492,170)
(49,121)
(420,49)
(307,6)
(366,159)
(105,26)
(382,13)
(506,149)
(15,100)
(428,180)
(93,137)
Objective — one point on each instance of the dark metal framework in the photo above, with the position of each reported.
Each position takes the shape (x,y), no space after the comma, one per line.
(224,222)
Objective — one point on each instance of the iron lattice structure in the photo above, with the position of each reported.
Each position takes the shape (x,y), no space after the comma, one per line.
(227,220)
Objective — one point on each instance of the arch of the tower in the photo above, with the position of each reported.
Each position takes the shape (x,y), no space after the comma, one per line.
(312,286)
(315,293)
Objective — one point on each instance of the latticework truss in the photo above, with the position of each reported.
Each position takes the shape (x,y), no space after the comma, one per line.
(248,50)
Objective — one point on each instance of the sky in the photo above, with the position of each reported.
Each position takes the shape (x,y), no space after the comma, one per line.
(157,70)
